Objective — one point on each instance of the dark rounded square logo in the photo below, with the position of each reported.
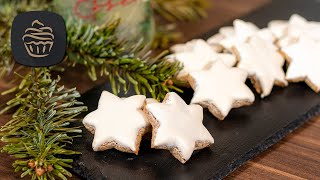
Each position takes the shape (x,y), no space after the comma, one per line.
(38,39)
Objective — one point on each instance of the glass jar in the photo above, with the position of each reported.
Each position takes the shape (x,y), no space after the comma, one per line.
(136,18)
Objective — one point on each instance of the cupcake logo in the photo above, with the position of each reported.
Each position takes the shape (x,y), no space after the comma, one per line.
(38,40)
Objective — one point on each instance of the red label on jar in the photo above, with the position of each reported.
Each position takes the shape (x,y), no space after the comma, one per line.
(94,7)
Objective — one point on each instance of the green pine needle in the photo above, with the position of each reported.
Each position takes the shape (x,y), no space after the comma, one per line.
(98,49)
(173,11)
(181,10)
(165,35)
(39,131)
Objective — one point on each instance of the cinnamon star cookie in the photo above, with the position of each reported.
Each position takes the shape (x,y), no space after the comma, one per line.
(264,64)
(289,32)
(278,28)
(199,56)
(304,57)
(242,32)
(220,89)
(178,127)
(117,123)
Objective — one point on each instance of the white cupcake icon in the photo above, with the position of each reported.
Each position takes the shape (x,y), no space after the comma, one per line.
(38,40)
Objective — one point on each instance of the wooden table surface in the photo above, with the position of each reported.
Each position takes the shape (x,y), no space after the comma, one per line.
(295,157)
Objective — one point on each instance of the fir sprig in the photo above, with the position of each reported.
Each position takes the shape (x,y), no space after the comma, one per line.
(39,132)
(165,35)
(181,10)
(173,11)
(100,51)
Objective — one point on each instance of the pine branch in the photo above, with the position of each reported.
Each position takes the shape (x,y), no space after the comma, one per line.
(99,50)
(39,131)
(181,10)
(165,35)
(173,11)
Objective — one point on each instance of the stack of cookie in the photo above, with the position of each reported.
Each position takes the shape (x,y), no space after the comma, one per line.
(243,51)
(217,70)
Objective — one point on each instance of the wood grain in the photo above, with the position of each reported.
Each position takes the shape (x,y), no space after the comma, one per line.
(295,157)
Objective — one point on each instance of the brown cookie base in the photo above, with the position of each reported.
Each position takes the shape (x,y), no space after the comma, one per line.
(119,147)
(307,81)
(217,113)
(257,85)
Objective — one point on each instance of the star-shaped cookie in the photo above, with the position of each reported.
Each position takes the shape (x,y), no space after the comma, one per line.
(199,56)
(264,64)
(117,123)
(178,127)
(215,40)
(289,32)
(242,32)
(295,27)
(278,28)
(304,57)
(188,46)
(220,89)
(298,27)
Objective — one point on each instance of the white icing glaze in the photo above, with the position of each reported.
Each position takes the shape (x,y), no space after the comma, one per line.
(304,61)
(117,119)
(314,31)
(228,59)
(221,86)
(186,47)
(214,42)
(262,61)
(278,28)
(266,35)
(224,32)
(227,31)
(242,32)
(201,57)
(297,27)
(244,29)
(151,100)
(215,39)
(286,41)
(180,124)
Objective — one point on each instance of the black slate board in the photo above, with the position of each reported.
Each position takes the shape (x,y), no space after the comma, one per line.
(244,134)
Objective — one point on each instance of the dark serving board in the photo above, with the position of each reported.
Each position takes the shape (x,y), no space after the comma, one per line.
(244,134)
